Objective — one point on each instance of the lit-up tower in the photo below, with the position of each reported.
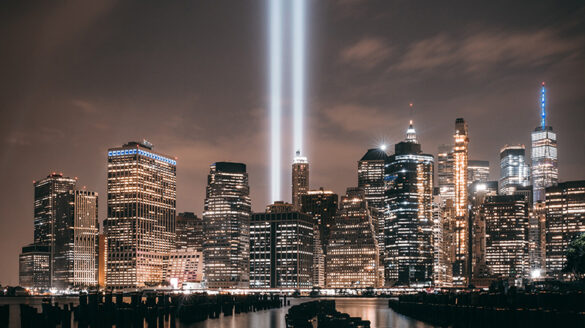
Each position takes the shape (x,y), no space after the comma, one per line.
(409,225)
(76,239)
(478,171)
(300,179)
(189,231)
(514,172)
(281,248)
(445,176)
(226,226)
(371,181)
(460,158)
(545,171)
(140,227)
(45,212)
(352,252)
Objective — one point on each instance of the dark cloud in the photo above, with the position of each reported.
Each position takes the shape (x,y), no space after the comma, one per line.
(79,78)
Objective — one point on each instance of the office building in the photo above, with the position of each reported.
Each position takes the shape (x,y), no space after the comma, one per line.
(545,171)
(443,240)
(477,171)
(446,172)
(102,260)
(281,248)
(460,158)
(371,181)
(514,172)
(353,253)
(34,266)
(506,234)
(300,179)
(189,231)
(76,239)
(226,226)
(478,192)
(565,220)
(409,226)
(185,268)
(140,223)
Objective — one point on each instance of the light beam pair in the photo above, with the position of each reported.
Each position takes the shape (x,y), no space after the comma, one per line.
(276,22)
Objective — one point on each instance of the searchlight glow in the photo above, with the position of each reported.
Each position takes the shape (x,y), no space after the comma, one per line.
(275,71)
(298,72)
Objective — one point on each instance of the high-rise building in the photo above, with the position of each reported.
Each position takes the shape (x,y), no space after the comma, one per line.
(353,253)
(478,171)
(565,220)
(545,172)
(506,222)
(140,227)
(281,248)
(514,172)
(185,266)
(321,205)
(300,179)
(443,240)
(102,260)
(34,266)
(478,192)
(460,158)
(371,181)
(409,226)
(226,226)
(446,172)
(189,231)
(76,239)
(46,191)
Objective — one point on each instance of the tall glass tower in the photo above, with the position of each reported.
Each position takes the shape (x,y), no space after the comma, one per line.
(460,157)
(226,226)
(545,171)
(409,227)
(140,227)
(514,172)
(300,179)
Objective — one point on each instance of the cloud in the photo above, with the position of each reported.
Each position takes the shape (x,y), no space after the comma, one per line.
(482,51)
(354,117)
(367,52)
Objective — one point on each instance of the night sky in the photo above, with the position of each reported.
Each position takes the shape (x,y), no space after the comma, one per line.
(77,78)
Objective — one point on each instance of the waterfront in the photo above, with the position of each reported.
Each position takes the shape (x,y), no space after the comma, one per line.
(374,309)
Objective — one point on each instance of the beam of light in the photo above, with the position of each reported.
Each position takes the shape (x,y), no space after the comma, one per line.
(275,71)
(543,107)
(298,72)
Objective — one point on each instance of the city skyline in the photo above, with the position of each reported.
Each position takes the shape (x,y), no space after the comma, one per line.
(95,117)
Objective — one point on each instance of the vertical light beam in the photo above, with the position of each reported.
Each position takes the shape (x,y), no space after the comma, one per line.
(275,71)
(298,72)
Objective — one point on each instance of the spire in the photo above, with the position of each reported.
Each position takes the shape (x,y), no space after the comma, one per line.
(543,107)
(411,134)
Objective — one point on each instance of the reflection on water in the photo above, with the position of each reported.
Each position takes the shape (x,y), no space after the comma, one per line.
(374,309)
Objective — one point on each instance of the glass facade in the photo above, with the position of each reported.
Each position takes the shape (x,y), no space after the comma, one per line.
(189,231)
(460,162)
(353,252)
(514,172)
(226,226)
(478,171)
(140,227)
(34,266)
(300,179)
(281,248)
(371,181)
(545,171)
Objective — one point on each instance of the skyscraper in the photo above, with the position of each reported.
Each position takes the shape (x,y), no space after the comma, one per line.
(565,219)
(226,226)
(371,181)
(506,221)
(479,191)
(353,253)
(460,157)
(46,191)
(321,205)
(281,248)
(514,172)
(545,172)
(478,171)
(140,227)
(446,173)
(409,227)
(34,265)
(443,240)
(76,239)
(189,231)
(300,179)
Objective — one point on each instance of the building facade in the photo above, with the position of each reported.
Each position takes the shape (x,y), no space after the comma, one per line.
(409,225)
(446,172)
(76,239)
(226,226)
(185,267)
(545,171)
(189,231)
(565,220)
(460,159)
(34,265)
(353,252)
(281,248)
(300,179)
(514,171)
(478,171)
(140,223)
(506,226)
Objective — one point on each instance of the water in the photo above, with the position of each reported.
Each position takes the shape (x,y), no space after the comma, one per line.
(374,309)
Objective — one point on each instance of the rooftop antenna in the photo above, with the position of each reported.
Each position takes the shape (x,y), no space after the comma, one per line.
(543,106)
